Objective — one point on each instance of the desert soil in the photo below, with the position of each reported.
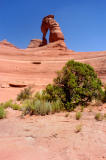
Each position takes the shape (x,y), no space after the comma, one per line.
(53,137)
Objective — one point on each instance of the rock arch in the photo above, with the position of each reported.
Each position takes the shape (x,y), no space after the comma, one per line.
(49,23)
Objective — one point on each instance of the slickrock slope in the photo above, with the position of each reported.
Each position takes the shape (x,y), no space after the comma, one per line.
(38,66)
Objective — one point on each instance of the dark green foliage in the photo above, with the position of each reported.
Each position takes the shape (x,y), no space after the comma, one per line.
(2,113)
(25,94)
(76,84)
(104,95)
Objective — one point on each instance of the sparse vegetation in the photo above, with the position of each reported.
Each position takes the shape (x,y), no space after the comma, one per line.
(2,113)
(76,84)
(98,103)
(7,104)
(25,94)
(15,106)
(78,128)
(105,116)
(67,115)
(99,117)
(104,95)
(78,115)
(10,104)
(82,108)
(41,107)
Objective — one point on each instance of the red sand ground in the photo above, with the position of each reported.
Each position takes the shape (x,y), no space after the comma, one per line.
(51,137)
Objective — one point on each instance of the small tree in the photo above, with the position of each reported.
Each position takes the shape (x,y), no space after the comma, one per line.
(76,84)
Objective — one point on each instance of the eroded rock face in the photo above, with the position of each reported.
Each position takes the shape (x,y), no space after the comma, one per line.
(49,23)
(5,43)
(34,43)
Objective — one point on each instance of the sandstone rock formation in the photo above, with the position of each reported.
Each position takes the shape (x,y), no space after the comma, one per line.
(34,43)
(5,43)
(49,23)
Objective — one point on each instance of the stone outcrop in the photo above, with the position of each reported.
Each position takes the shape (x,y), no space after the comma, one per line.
(34,43)
(49,23)
(5,43)
(57,45)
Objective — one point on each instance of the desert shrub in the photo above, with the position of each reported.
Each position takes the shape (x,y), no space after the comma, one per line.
(76,84)
(40,96)
(7,104)
(56,106)
(10,104)
(24,94)
(36,107)
(16,106)
(78,128)
(78,115)
(104,95)
(2,113)
(40,107)
(99,117)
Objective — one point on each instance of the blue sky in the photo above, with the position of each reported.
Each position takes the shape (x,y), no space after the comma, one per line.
(83,22)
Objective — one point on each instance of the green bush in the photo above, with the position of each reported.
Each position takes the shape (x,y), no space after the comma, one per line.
(78,115)
(76,84)
(2,113)
(25,94)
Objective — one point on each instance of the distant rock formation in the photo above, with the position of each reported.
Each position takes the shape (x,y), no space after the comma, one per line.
(49,23)
(5,43)
(34,43)
(56,36)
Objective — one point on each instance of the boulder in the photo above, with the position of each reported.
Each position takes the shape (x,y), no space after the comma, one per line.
(34,43)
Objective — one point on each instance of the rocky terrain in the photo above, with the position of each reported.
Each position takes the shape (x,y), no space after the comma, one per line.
(38,66)
(52,137)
